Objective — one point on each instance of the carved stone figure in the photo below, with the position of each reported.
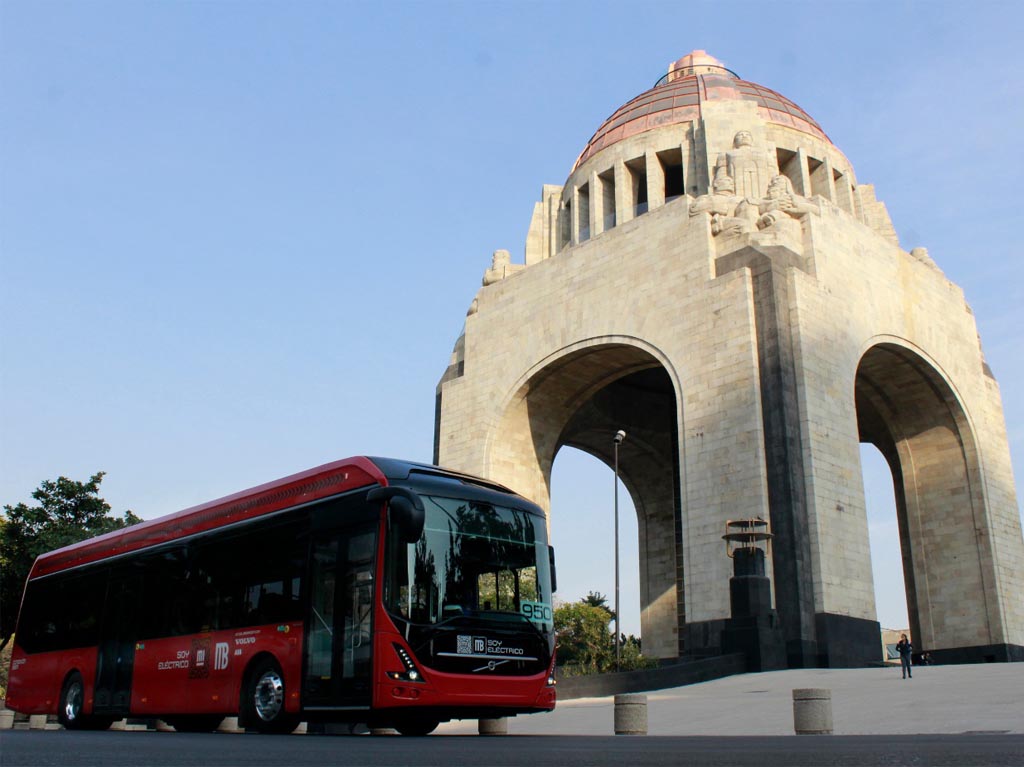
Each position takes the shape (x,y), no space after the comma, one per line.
(501,267)
(721,201)
(722,204)
(748,166)
(782,205)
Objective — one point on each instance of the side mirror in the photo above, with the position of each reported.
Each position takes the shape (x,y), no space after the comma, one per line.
(405,511)
(554,575)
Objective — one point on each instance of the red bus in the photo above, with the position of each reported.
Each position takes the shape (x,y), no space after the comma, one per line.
(367,590)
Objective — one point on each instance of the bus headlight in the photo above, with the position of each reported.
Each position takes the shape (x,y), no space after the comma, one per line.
(411,673)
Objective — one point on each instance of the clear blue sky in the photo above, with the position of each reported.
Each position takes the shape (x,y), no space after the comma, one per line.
(239,239)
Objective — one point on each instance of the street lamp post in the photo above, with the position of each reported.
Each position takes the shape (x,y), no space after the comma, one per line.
(620,435)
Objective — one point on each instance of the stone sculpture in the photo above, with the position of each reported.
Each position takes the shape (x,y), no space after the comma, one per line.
(501,267)
(748,166)
(722,205)
(782,207)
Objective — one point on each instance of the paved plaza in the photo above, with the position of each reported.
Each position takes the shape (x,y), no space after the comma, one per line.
(939,699)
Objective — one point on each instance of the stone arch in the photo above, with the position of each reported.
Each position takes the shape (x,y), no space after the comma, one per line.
(580,396)
(908,409)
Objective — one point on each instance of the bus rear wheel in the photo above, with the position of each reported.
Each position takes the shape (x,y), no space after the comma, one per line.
(263,699)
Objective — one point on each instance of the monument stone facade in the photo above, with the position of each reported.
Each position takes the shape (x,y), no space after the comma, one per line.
(713,279)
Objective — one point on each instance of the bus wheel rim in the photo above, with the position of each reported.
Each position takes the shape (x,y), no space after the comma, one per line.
(269,697)
(73,701)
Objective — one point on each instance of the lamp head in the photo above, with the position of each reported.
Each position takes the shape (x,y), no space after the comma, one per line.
(620,437)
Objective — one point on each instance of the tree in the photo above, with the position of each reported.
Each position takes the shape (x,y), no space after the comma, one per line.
(584,642)
(632,655)
(67,512)
(597,599)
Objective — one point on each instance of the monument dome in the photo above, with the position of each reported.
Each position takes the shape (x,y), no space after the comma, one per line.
(678,97)
(701,126)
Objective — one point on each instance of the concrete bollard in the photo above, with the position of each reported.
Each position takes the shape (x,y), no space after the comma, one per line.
(493,726)
(6,719)
(631,714)
(812,711)
(37,722)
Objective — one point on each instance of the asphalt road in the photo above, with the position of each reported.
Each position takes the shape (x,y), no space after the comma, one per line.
(116,749)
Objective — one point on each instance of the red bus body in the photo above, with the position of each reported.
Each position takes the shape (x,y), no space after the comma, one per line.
(204,673)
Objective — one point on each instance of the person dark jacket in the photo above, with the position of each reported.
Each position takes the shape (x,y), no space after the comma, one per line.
(905,648)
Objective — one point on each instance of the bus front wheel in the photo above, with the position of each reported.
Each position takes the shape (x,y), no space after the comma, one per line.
(72,700)
(263,699)
(416,726)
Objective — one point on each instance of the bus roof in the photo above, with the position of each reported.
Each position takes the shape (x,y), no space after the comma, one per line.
(304,487)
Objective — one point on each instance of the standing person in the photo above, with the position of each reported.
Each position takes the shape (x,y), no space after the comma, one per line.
(904,648)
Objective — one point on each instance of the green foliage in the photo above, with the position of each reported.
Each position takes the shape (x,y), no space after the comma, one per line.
(597,599)
(585,643)
(631,655)
(66,512)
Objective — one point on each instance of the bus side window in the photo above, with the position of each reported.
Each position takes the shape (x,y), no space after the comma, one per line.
(222,588)
(183,612)
(168,591)
(252,578)
(37,624)
(263,602)
(82,603)
(272,602)
(63,612)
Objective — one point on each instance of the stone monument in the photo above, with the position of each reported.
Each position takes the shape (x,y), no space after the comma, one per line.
(713,279)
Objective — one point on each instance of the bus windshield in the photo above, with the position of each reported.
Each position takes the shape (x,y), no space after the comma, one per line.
(473,559)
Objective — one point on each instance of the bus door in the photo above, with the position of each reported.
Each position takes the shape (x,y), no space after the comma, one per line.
(338,653)
(116,656)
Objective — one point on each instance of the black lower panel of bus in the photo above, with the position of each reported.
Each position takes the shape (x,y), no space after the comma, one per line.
(509,646)
(392,717)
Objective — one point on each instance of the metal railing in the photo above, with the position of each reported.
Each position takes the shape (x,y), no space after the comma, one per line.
(667,78)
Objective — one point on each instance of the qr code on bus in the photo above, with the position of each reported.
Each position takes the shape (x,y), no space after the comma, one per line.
(464,645)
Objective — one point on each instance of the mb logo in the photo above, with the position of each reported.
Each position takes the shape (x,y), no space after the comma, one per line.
(468,645)
(220,656)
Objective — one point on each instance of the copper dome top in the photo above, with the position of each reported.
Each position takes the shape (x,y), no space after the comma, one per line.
(677,98)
